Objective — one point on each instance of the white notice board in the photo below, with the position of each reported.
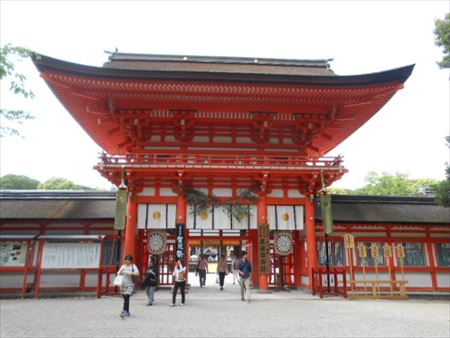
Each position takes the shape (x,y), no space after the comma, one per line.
(71,255)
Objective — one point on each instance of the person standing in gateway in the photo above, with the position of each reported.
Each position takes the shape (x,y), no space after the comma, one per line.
(222,270)
(179,276)
(202,269)
(245,270)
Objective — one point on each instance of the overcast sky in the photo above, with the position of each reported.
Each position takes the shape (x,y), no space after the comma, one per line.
(406,135)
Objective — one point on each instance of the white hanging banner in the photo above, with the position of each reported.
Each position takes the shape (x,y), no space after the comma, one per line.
(156,216)
(202,220)
(286,217)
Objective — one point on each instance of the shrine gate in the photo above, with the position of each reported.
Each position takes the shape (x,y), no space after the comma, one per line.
(250,134)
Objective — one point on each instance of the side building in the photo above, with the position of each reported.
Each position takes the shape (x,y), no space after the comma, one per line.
(65,242)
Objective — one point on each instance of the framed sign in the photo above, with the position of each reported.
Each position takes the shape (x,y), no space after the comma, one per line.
(66,255)
(283,243)
(13,254)
(157,242)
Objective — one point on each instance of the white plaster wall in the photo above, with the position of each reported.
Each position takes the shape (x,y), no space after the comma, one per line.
(222,139)
(243,140)
(276,193)
(222,192)
(13,280)
(167,192)
(49,279)
(412,235)
(150,191)
(294,193)
(443,279)
(417,279)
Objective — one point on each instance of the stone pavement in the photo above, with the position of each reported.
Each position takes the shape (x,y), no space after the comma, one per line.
(213,313)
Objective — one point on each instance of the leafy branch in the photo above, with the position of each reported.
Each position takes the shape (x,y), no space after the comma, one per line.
(17,85)
(236,208)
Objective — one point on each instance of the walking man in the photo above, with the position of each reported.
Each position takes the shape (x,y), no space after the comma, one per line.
(245,270)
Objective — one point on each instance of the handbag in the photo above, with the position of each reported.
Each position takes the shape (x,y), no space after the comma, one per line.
(118,281)
(135,278)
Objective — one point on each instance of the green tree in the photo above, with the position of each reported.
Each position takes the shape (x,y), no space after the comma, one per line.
(442,39)
(16,85)
(442,189)
(393,185)
(59,183)
(18,182)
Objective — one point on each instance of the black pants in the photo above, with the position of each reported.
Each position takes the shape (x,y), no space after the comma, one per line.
(181,286)
(221,278)
(126,303)
(202,277)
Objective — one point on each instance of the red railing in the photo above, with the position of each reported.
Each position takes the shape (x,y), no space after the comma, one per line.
(208,161)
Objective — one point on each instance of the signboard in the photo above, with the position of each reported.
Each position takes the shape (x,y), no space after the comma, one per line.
(71,255)
(180,241)
(13,254)
(264,248)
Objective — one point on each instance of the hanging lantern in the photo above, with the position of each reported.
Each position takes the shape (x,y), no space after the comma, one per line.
(387,250)
(349,241)
(375,250)
(400,250)
(362,251)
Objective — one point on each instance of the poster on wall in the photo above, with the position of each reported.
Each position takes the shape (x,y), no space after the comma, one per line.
(71,255)
(13,254)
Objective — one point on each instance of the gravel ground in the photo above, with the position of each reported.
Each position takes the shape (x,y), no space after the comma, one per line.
(213,313)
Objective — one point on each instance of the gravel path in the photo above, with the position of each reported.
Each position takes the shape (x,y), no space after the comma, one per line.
(212,313)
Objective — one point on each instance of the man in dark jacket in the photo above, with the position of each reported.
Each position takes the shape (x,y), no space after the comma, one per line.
(245,270)
(150,282)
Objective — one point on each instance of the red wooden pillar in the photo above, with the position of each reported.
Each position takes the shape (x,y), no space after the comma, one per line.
(311,237)
(297,258)
(262,219)
(131,227)
(431,260)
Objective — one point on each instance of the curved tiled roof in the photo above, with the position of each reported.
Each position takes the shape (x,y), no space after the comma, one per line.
(386,209)
(101,205)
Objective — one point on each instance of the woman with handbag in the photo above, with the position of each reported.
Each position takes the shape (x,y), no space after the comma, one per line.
(128,271)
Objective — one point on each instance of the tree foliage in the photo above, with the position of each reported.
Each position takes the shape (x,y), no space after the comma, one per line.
(16,85)
(442,189)
(59,183)
(18,182)
(442,39)
(386,184)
